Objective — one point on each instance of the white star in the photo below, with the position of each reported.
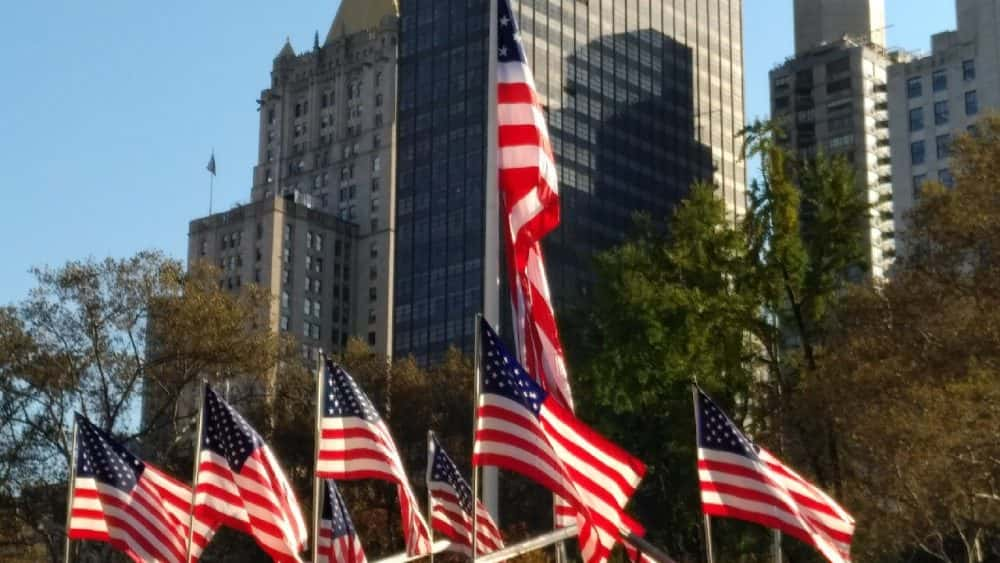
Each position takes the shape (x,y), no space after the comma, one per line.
(504,21)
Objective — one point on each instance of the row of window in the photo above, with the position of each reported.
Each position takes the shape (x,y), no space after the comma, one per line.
(941,111)
(939,80)
(918,151)
(944,176)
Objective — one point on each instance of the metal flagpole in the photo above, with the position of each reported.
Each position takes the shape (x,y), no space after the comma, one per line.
(709,555)
(492,252)
(427,483)
(776,546)
(477,390)
(318,431)
(211,191)
(197,460)
(71,484)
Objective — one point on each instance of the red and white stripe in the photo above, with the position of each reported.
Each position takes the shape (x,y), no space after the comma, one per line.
(771,494)
(148,524)
(529,186)
(448,518)
(527,172)
(257,501)
(562,454)
(352,448)
(344,549)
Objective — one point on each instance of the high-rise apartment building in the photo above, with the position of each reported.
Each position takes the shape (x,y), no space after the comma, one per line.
(935,97)
(832,99)
(818,22)
(319,229)
(642,99)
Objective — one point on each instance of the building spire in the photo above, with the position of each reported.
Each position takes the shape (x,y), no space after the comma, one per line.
(287,50)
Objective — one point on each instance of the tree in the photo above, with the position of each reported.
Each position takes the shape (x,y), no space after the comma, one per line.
(95,337)
(911,376)
(741,308)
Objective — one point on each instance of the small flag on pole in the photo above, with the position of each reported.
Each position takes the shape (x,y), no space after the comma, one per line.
(211,164)
(524,429)
(338,540)
(356,444)
(121,500)
(451,505)
(240,484)
(741,480)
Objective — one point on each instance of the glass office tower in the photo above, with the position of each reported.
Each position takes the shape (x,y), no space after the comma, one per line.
(643,98)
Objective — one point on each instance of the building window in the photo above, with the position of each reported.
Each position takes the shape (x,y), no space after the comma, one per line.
(376,164)
(916,119)
(371,316)
(317,308)
(371,338)
(284,299)
(914,87)
(969,70)
(943,146)
(918,184)
(971,103)
(941,113)
(374,250)
(309,240)
(939,80)
(372,294)
(306,307)
(283,323)
(917,152)
(945,177)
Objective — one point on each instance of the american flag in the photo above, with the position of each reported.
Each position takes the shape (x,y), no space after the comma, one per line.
(338,540)
(355,443)
(121,500)
(744,481)
(240,484)
(521,428)
(529,186)
(451,505)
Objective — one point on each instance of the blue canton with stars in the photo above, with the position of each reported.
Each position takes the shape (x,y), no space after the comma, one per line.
(226,432)
(335,511)
(717,432)
(342,396)
(503,376)
(106,461)
(444,470)
(510,48)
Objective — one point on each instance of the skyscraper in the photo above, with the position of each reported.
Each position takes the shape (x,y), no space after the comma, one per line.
(831,99)
(935,97)
(827,21)
(319,229)
(642,98)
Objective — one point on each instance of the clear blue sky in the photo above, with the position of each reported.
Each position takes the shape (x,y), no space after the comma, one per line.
(109,111)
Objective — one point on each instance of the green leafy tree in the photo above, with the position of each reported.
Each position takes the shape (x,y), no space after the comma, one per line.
(741,308)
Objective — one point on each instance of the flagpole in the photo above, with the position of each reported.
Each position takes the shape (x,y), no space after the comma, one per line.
(491,255)
(317,482)
(709,554)
(477,390)
(71,484)
(211,190)
(427,483)
(776,546)
(197,460)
